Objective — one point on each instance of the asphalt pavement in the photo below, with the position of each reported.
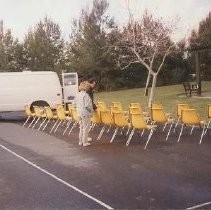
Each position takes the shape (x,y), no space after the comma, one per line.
(40,170)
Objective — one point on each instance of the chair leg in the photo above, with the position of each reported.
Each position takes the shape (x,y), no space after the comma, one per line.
(26,120)
(192,130)
(101,133)
(130,137)
(208,124)
(74,125)
(149,137)
(58,126)
(164,127)
(128,130)
(203,133)
(169,131)
(45,125)
(36,122)
(180,133)
(43,122)
(32,122)
(176,125)
(109,129)
(142,132)
(68,125)
(92,126)
(115,132)
(54,126)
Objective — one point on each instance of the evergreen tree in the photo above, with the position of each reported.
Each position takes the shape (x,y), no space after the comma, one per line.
(89,53)
(44,47)
(7,49)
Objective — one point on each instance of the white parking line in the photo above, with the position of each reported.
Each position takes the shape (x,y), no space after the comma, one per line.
(199,205)
(57,178)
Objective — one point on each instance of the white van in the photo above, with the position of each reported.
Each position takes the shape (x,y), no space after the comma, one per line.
(34,88)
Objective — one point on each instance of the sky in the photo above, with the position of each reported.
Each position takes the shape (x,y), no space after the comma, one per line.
(21,15)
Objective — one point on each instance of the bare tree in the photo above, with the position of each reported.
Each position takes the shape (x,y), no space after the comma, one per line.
(145,41)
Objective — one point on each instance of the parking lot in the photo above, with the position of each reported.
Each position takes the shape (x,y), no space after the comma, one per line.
(43,170)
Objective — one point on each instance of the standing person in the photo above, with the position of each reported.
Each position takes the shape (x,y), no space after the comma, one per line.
(90,91)
(85,110)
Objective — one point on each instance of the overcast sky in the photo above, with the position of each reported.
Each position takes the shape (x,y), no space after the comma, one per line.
(20,15)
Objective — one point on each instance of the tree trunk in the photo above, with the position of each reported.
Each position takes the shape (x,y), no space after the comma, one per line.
(147,84)
(152,92)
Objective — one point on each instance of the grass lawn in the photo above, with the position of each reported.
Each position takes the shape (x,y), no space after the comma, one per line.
(169,96)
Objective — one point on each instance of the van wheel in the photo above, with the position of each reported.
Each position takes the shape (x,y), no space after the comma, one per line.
(38,103)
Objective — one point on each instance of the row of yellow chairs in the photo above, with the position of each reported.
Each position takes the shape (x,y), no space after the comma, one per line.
(186,117)
(45,115)
(133,120)
(136,119)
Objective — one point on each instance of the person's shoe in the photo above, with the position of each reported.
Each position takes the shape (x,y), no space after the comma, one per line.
(89,139)
(80,143)
(86,144)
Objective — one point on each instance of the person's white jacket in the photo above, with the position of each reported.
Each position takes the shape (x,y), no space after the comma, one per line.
(84,104)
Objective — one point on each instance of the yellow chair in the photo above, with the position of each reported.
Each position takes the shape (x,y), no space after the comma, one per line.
(138,105)
(102,105)
(138,123)
(158,116)
(70,108)
(29,114)
(135,104)
(208,115)
(117,105)
(49,116)
(61,117)
(75,119)
(157,106)
(179,109)
(40,114)
(133,110)
(95,119)
(115,109)
(107,121)
(120,121)
(190,117)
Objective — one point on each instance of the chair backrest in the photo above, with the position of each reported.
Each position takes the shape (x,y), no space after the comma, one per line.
(120,119)
(101,105)
(106,117)
(96,118)
(117,104)
(136,105)
(60,112)
(180,107)
(190,116)
(135,110)
(115,109)
(75,114)
(48,112)
(157,106)
(27,110)
(38,111)
(138,121)
(158,115)
(209,111)
(70,107)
